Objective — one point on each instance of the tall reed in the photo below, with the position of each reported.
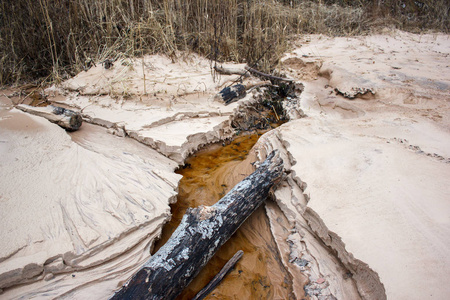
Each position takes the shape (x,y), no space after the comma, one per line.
(56,39)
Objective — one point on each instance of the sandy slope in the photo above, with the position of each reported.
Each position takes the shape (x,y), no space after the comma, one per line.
(377,168)
(67,206)
(151,99)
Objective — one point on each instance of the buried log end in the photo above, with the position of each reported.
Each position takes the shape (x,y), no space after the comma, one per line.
(70,120)
(65,118)
(75,122)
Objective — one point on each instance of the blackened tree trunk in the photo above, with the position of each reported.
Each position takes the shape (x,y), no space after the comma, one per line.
(202,231)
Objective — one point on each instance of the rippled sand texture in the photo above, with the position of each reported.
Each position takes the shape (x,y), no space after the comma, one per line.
(98,201)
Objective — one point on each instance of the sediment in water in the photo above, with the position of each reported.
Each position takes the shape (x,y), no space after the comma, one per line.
(207,176)
(300,258)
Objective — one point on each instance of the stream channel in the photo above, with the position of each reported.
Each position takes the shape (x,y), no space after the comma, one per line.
(207,176)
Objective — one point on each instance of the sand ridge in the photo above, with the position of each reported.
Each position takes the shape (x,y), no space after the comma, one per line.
(376,165)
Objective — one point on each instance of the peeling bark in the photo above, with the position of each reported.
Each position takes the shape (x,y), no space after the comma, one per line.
(202,231)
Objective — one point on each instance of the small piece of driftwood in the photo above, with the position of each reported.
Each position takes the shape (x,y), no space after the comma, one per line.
(202,231)
(235,92)
(253,71)
(66,118)
(219,277)
(231,94)
(231,71)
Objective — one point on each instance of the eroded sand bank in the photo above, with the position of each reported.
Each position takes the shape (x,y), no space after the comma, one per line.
(377,166)
(364,211)
(81,211)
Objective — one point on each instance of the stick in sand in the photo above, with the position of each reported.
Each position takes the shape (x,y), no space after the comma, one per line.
(219,277)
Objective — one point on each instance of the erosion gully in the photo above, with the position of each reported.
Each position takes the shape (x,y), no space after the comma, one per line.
(207,176)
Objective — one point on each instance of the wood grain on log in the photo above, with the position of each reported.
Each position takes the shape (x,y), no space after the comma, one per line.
(202,231)
(66,118)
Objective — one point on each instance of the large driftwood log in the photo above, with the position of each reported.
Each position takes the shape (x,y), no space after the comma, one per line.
(66,118)
(202,231)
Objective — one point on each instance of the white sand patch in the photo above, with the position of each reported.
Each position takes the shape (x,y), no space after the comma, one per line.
(377,166)
(162,76)
(166,105)
(389,204)
(68,206)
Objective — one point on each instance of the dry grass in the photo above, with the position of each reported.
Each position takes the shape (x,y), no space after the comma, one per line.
(55,39)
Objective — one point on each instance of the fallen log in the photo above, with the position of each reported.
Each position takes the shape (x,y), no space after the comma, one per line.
(66,118)
(231,71)
(202,231)
(219,277)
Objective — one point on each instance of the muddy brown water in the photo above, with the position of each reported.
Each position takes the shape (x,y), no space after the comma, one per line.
(207,177)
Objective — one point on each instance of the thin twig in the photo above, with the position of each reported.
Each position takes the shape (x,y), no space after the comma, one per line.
(278,119)
(253,65)
(251,70)
(219,277)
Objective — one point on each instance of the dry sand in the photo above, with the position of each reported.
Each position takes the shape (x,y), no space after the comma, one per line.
(377,167)
(80,212)
(67,206)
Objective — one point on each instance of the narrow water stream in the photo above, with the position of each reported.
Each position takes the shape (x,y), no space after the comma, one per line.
(207,177)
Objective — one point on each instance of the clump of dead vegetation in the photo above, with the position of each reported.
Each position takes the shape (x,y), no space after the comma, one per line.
(55,39)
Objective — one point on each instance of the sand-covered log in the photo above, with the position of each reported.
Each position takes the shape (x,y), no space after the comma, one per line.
(66,118)
(232,71)
(203,230)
